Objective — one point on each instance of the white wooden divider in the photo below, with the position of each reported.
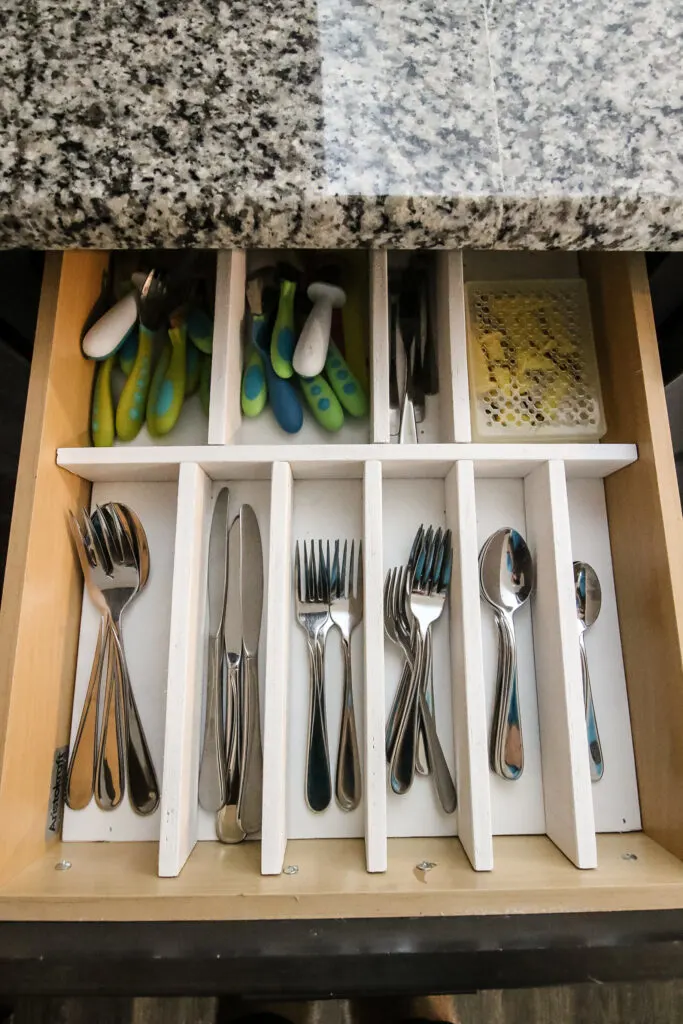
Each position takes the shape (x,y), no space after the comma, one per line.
(452,349)
(226,359)
(469,707)
(568,799)
(280,622)
(185,673)
(375,775)
(379,346)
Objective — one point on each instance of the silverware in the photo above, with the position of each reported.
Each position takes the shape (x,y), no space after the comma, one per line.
(506,577)
(212,770)
(588,602)
(251,590)
(120,547)
(312,612)
(228,827)
(426,588)
(346,610)
(394,399)
(81,771)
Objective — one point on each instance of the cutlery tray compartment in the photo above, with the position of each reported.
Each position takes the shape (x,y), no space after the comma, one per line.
(524,839)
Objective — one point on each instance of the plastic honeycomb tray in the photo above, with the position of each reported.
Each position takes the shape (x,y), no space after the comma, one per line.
(533,372)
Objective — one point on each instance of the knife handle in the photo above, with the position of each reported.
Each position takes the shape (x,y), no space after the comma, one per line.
(212,770)
(251,768)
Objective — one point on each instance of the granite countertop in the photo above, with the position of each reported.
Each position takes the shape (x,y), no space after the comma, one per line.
(220,123)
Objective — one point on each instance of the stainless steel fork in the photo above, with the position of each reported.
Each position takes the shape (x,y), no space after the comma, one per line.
(427,598)
(313,614)
(117,546)
(346,609)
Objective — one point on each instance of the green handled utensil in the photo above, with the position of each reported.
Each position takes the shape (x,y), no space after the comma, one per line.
(102,409)
(130,412)
(128,350)
(167,392)
(192,370)
(283,339)
(254,391)
(346,387)
(323,403)
(200,330)
(205,383)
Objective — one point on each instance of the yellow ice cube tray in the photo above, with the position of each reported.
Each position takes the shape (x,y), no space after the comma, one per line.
(533,371)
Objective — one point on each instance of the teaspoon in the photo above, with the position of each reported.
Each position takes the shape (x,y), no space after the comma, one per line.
(588,602)
(506,576)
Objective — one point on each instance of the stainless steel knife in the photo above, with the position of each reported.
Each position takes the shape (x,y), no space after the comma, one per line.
(232,632)
(251,588)
(212,770)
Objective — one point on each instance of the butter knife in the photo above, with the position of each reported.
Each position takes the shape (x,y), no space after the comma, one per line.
(212,770)
(251,587)
(232,632)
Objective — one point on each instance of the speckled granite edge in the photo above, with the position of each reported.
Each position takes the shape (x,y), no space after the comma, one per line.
(479,222)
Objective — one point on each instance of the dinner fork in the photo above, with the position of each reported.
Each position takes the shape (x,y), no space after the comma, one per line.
(346,610)
(426,600)
(118,548)
(312,612)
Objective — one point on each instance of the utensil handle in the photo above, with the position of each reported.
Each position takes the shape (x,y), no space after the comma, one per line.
(130,412)
(212,770)
(311,348)
(511,743)
(422,762)
(250,802)
(597,764)
(102,413)
(397,709)
(348,783)
(232,731)
(143,788)
(345,386)
(402,768)
(167,391)
(318,778)
(110,783)
(283,339)
(445,787)
(80,779)
(254,394)
(323,403)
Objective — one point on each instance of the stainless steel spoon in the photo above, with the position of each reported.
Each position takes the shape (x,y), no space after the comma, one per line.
(506,576)
(588,602)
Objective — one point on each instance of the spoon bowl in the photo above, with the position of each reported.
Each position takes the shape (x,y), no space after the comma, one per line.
(588,594)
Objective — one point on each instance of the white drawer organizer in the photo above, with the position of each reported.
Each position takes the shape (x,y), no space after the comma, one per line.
(302,488)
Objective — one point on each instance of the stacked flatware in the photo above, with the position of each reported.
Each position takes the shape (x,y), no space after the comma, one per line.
(329,592)
(112,549)
(413,370)
(414,598)
(231,769)
(506,580)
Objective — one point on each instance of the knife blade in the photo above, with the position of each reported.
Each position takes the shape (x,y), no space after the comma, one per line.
(251,582)
(212,769)
(232,626)
(232,633)
(251,579)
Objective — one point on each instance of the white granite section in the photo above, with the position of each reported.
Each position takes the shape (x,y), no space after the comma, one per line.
(589,100)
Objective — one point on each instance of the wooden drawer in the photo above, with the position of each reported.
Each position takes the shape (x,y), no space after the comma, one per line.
(41,614)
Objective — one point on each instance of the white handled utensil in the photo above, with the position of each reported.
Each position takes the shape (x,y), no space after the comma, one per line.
(311,349)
